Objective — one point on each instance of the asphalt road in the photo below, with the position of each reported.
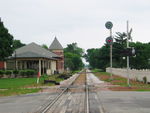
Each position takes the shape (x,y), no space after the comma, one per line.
(125,101)
(25,103)
(111,101)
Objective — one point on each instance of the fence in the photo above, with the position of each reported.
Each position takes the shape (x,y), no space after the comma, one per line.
(133,73)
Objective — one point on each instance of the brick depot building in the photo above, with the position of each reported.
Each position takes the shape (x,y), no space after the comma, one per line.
(33,56)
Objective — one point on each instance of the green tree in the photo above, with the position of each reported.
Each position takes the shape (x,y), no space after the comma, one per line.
(141,60)
(17,44)
(98,58)
(73,61)
(68,61)
(119,46)
(6,42)
(73,48)
(45,46)
(121,38)
(73,57)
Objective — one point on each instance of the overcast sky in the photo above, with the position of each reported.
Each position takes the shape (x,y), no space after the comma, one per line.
(81,21)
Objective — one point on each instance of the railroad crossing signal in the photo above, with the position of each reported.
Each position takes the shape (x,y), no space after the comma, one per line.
(108,25)
(129,52)
(109,40)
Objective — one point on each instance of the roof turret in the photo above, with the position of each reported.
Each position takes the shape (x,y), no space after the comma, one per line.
(56,45)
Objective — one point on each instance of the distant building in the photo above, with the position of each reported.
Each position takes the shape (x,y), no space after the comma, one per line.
(2,65)
(57,48)
(33,56)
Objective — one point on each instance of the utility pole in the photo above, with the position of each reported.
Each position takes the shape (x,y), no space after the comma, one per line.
(128,80)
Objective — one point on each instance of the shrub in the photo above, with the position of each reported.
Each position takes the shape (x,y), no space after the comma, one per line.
(8,72)
(2,72)
(145,80)
(45,77)
(64,75)
(16,72)
(22,72)
(30,73)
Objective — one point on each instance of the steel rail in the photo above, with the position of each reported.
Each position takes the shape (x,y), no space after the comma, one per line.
(49,105)
(87,95)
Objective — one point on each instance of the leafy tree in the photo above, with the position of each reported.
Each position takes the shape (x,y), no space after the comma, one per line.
(73,57)
(119,47)
(68,61)
(98,58)
(73,48)
(121,38)
(17,44)
(73,61)
(6,42)
(45,46)
(92,56)
(141,60)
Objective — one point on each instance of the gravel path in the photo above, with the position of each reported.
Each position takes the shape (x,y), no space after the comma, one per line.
(99,85)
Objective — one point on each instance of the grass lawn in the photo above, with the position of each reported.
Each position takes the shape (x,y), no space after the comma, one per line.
(10,92)
(16,86)
(120,83)
(12,83)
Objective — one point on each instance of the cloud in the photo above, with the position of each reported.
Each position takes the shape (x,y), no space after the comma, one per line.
(80,21)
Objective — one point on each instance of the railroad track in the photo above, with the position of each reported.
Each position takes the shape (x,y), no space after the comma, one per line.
(66,92)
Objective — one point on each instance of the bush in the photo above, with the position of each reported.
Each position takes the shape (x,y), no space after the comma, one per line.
(64,75)
(145,80)
(15,72)
(8,72)
(28,73)
(22,72)
(2,72)
(45,77)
